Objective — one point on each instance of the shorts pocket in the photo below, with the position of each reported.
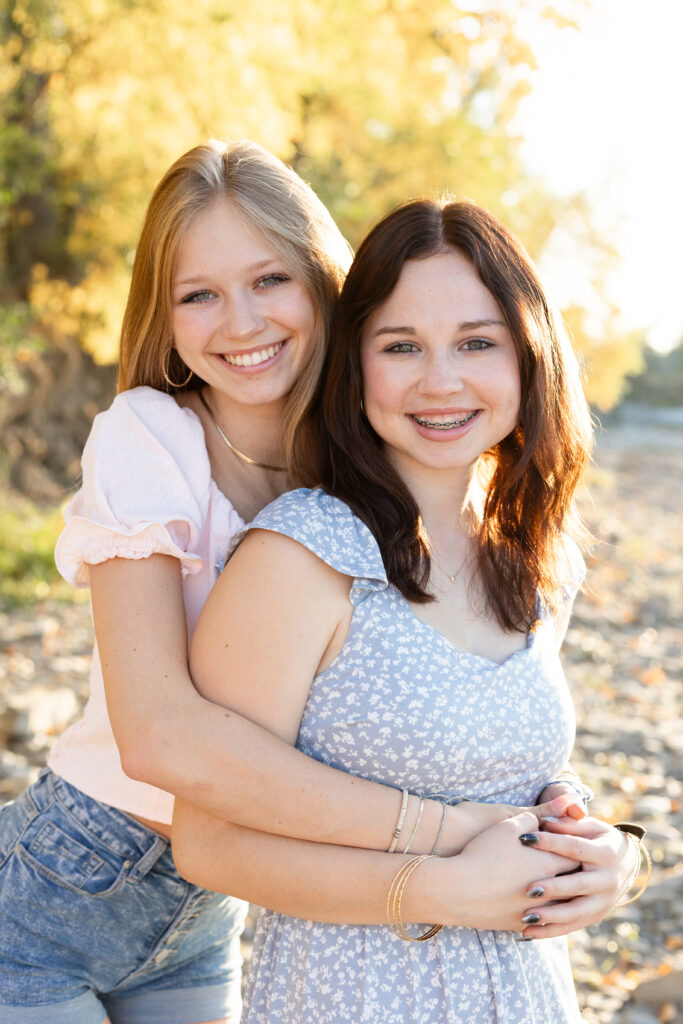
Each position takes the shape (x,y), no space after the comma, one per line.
(14,819)
(67,853)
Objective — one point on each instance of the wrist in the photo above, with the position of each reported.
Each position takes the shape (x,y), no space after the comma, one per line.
(464,821)
(566,784)
(423,837)
(427,897)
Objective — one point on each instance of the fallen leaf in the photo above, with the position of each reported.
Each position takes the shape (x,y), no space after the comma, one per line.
(653,676)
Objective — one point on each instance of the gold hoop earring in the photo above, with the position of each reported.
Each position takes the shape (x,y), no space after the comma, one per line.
(168,380)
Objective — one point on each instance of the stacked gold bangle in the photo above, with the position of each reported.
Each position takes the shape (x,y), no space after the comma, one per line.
(635,834)
(395,895)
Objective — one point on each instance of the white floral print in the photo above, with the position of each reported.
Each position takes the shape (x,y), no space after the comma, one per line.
(402,706)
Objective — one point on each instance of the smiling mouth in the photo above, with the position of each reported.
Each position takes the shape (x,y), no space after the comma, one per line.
(447,422)
(253,358)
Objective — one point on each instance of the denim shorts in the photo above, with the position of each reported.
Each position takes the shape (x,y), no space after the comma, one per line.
(95,920)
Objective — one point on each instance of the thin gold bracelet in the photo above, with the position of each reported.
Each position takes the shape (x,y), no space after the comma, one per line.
(417,825)
(444,811)
(395,896)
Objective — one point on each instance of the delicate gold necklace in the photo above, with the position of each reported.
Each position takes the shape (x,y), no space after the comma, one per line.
(451,577)
(236,451)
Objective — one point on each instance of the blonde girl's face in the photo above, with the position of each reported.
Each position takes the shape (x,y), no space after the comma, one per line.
(440,371)
(240,320)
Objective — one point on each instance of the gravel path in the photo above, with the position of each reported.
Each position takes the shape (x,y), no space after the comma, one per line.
(623,657)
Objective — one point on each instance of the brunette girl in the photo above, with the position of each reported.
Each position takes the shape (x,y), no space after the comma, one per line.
(402,623)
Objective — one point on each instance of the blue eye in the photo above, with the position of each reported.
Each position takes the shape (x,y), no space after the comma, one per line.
(272,280)
(196,298)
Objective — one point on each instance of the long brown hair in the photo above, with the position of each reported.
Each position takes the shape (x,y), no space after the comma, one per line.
(276,203)
(530,477)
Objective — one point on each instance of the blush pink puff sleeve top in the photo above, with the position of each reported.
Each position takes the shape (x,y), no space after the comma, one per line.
(147,489)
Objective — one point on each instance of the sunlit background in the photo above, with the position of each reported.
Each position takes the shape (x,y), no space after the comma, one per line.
(558,117)
(601,118)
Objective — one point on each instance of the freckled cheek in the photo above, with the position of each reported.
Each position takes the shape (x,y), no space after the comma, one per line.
(383,393)
(503,389)
(190,323)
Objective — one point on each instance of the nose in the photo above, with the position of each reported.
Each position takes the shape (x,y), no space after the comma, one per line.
(441,376)
(242,317)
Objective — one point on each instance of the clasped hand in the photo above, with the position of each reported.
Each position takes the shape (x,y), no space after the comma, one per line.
(540,871)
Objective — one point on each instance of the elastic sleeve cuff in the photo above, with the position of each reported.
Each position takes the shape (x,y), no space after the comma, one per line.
(84,543)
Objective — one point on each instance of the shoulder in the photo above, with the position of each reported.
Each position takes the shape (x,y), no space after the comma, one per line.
(144,438)
(326,527)
(148,414)
(145,487)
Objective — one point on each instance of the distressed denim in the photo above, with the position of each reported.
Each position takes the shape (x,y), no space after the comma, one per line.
(95,920)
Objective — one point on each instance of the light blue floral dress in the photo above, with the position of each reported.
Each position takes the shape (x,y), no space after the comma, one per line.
(402,706)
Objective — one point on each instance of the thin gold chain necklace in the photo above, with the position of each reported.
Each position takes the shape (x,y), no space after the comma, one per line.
(236,451)
(451,577)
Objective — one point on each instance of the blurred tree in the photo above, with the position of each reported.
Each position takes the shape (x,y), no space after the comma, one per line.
(661,382)
(371,100)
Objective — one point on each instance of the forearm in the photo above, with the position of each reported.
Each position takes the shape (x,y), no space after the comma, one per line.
(344,886)
(310,880)
(272,787)
(240,772)
(237,770)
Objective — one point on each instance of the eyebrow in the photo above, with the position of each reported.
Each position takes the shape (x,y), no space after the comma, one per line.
(473,325)
(393,330)
(252,268)
(466,325)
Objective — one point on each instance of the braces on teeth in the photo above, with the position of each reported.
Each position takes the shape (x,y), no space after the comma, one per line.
(448,425)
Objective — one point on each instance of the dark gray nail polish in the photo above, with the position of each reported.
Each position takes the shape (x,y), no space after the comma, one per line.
(529,839)
(526,938)
(531,919)
(536,892)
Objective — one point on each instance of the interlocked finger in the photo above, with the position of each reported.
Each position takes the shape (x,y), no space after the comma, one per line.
(582,851)
(562,918)
(567,887)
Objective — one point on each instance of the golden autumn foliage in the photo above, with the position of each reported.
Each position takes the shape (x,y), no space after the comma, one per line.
(370,101)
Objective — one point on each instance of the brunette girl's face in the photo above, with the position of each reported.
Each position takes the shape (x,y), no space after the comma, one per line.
(240,320)
(440,370)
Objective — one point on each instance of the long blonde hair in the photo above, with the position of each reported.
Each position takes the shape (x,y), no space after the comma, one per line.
(275,201)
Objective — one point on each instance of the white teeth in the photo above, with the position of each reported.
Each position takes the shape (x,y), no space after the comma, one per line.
(443,422)
(253,358)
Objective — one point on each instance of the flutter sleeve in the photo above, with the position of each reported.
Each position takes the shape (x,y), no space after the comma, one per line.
(327,527)
(145,487)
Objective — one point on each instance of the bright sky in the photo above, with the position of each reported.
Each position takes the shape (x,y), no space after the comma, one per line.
(605,116)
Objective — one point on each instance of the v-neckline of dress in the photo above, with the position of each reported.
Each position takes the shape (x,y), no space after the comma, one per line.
(530,639)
